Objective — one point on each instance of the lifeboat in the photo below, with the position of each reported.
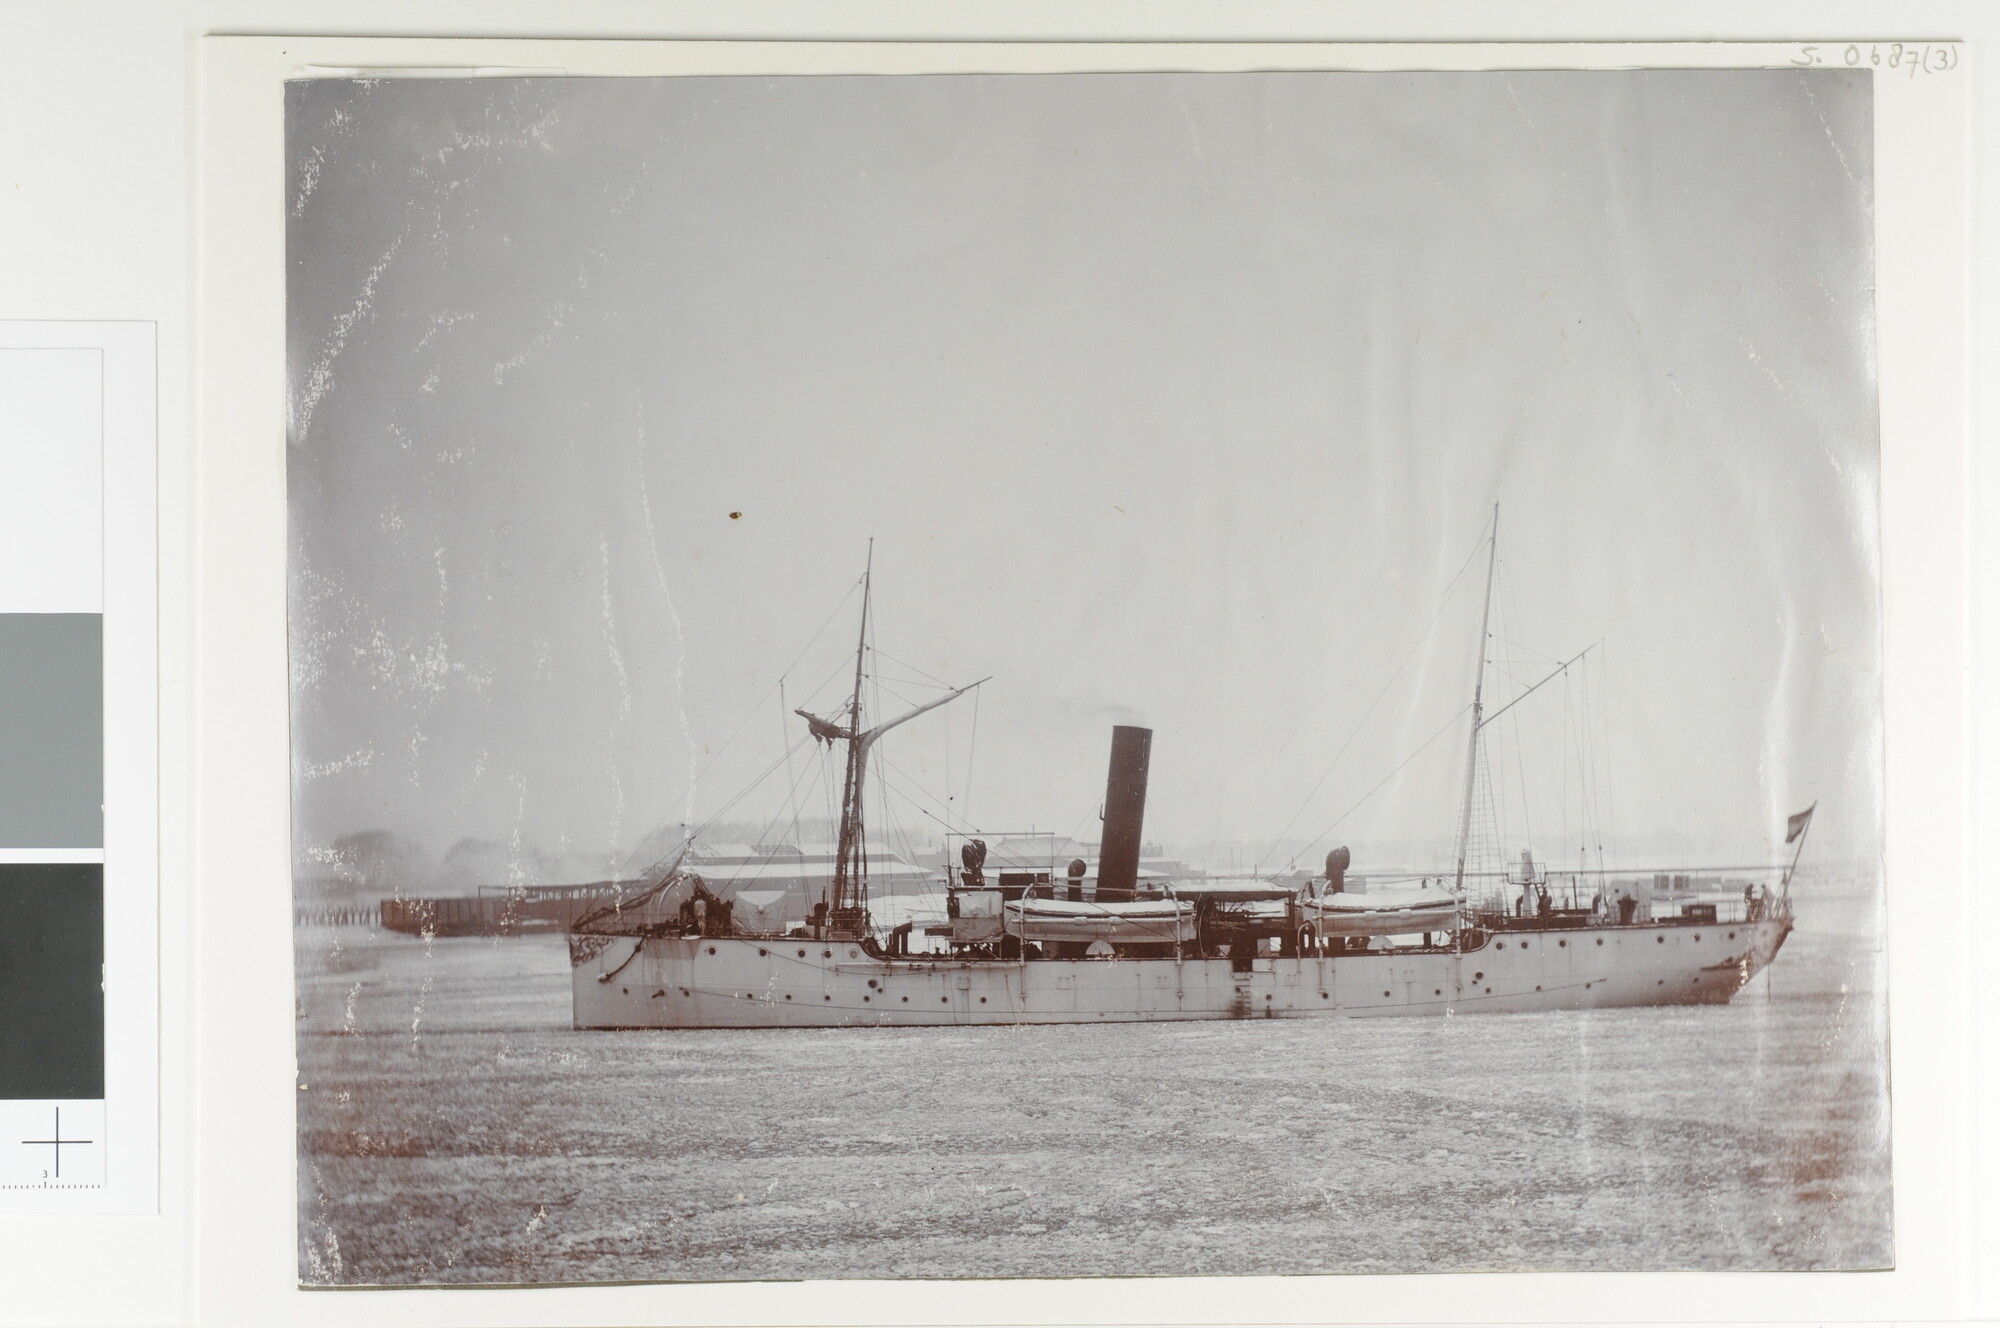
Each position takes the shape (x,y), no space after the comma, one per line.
(1140,922)
(1385,913)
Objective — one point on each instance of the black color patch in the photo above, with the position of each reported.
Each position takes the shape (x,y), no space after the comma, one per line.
(51,980)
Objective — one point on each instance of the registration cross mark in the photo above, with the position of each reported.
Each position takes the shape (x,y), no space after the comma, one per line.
(58,1141)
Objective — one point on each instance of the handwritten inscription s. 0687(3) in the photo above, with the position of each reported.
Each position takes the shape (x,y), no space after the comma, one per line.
(1903,57)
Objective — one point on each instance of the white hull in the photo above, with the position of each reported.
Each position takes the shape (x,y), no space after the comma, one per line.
(748,982)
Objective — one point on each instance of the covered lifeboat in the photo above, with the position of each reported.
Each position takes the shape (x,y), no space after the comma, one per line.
(1393,912)
(1139,922)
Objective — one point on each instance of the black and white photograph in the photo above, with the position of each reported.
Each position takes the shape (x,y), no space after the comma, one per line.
(1085,675)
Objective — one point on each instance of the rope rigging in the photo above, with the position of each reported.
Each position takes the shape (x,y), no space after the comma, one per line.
(1521,670)
(1444,602)
(1320,838)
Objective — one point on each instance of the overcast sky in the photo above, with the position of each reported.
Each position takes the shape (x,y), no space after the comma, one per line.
(1167,399)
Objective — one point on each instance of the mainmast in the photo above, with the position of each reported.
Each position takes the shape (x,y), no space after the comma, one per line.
(845,908)
(1478,690)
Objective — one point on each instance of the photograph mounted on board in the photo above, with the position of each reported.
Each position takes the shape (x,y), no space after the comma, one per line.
(968,676)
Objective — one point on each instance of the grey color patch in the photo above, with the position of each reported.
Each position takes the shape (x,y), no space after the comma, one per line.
(51,730)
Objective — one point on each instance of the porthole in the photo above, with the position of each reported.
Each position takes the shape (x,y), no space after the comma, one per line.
(1437,991)
(871,982)
(826,998)
(1385,993)
(711,949)
(1600,940)
(1659,940)
(761,952)
(944,1000)
(1479,977)
(788,995)
(1538,986)
(1732,935)
(864,1000)
(1524,945)
(1267,995)
(826,954)
(1697,938)
(852,955)
(1323,996)
(906,1000)
(626,991)
(1562,944)
(982,999)
(802,954)
(1489,991)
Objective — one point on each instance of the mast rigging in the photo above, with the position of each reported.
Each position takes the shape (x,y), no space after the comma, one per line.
(844,910)
(1478,690)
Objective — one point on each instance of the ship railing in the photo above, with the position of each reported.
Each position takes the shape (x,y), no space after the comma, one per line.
(1501,914)
(1734,911)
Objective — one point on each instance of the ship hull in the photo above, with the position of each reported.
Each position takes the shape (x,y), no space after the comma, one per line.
(746,982)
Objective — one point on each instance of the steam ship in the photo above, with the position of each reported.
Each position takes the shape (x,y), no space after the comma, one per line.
(1103,942)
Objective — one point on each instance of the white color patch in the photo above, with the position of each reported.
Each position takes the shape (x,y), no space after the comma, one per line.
(52,504)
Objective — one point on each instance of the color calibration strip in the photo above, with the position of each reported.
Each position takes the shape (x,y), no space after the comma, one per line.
(78,855)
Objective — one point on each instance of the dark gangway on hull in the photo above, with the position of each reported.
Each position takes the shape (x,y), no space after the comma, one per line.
(1124,812)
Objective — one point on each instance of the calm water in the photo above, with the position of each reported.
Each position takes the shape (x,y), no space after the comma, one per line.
(454,1129)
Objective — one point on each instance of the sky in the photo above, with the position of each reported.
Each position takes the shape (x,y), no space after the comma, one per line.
(1169,399)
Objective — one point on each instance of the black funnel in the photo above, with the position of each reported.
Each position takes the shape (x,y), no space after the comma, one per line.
(1124,810)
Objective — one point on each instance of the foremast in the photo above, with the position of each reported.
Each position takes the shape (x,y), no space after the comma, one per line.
(843,912)
(847,902)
